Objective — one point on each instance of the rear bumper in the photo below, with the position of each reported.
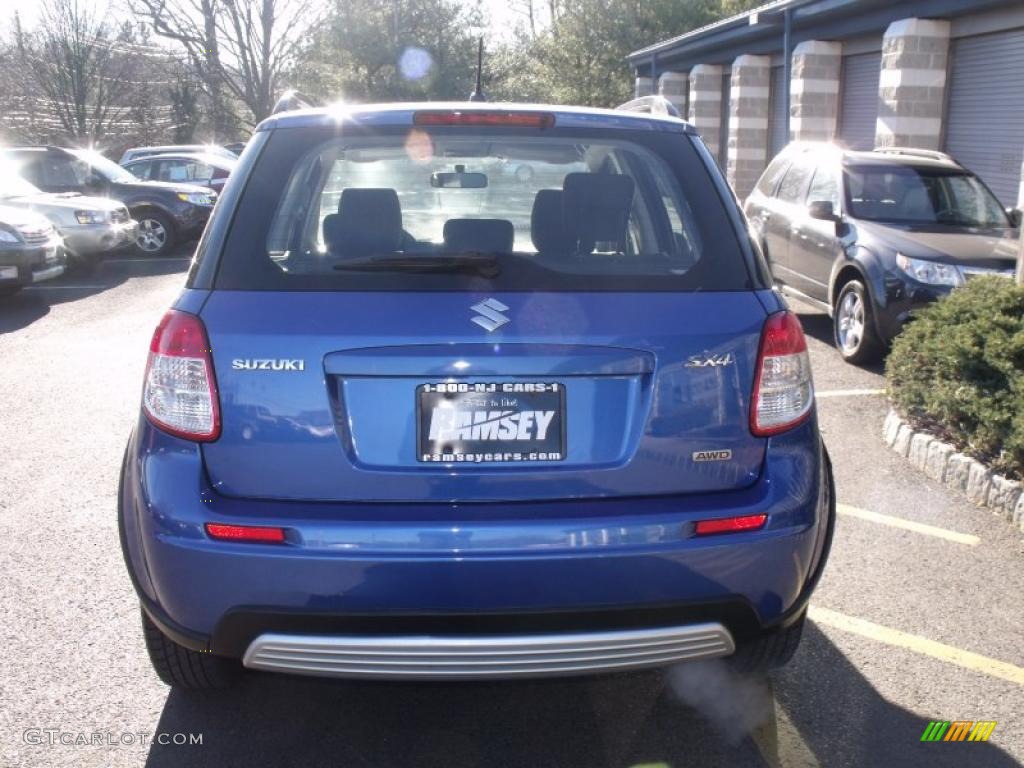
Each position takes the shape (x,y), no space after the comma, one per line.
(353,572)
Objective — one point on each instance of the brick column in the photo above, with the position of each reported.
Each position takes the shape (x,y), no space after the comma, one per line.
(643,86)
(912,87)
(747,152)
(673,86)
(1020,202)
(814,91)
(706,103)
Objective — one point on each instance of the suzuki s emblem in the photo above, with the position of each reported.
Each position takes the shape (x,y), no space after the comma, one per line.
(710,361)
(490,317)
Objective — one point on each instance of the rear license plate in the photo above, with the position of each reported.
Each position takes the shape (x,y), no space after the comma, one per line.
(484,423)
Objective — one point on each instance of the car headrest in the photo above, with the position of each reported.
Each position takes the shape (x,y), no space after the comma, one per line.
(596,208)
(547,224)
(368,222)
(487,235)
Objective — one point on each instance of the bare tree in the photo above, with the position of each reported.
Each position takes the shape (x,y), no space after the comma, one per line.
(238,48)
(74,59)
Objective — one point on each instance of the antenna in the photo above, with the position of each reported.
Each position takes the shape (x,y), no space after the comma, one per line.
(478,94)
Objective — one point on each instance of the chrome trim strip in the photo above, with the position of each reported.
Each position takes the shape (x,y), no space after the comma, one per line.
(798,294)
(486,656)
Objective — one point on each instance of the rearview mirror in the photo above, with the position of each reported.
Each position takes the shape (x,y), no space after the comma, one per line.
(822,209)
(1015,216)
(458,179)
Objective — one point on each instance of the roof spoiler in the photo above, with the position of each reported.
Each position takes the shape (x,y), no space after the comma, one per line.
(651,105)
(293,100)
(931,154)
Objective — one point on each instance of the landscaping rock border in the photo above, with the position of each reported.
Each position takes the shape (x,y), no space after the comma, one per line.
(957,471)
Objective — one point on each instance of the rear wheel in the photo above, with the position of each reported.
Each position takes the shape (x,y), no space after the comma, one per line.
(769,652)
(853,325)
(156,234)
(183,668)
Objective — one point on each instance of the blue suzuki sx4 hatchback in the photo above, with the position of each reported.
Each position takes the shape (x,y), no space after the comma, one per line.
(462,391)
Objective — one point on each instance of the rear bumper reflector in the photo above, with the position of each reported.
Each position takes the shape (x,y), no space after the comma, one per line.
(488,656)
(731,524)
(245,533)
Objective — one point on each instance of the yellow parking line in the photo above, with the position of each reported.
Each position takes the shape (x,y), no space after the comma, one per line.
(908,525)
(964,659)
(849,392)
(780,743)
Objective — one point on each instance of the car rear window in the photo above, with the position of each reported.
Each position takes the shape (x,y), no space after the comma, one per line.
(480,209)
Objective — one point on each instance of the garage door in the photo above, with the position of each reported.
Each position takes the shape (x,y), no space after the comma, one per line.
(777,118)
(858,106)
(985,124)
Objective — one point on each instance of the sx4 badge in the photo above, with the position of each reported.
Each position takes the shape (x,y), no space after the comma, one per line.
(710,361)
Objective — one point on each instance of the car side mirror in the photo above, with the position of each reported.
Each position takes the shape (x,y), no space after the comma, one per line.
(1015,215)
(822,209)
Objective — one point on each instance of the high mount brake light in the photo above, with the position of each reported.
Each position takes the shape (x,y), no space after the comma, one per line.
(783,393)
(180,391)
(485,118)
(730,524)
(251,533)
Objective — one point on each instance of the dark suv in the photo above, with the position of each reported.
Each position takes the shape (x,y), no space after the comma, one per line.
(166,213)
(871,236)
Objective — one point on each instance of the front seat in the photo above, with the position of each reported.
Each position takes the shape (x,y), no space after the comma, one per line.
(368,223)
(596,208)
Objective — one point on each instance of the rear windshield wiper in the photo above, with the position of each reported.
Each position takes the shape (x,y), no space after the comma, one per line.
(469,262)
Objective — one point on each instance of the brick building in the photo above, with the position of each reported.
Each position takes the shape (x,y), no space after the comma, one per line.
(937,74)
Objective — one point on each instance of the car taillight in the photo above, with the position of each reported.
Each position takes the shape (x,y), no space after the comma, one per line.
(180,391)
(783,391)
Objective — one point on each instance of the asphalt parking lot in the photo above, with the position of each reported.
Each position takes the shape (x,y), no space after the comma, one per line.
(918,617)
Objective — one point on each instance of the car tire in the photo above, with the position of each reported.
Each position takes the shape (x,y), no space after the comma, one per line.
(8,290)
(156,235)
(769,652)
(853,325)
(185,669)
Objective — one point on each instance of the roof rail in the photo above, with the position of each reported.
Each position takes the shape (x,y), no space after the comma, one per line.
(293,100)
(651,105)
(930,154)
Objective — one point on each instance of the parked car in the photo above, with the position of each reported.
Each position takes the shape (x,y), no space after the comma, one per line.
(175,149)
(89,226)
(206,170)
(166,213)
(573,433)
(235,147)
(869,237)
(30,250)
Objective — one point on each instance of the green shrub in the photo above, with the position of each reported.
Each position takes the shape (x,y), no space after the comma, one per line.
(957,371)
